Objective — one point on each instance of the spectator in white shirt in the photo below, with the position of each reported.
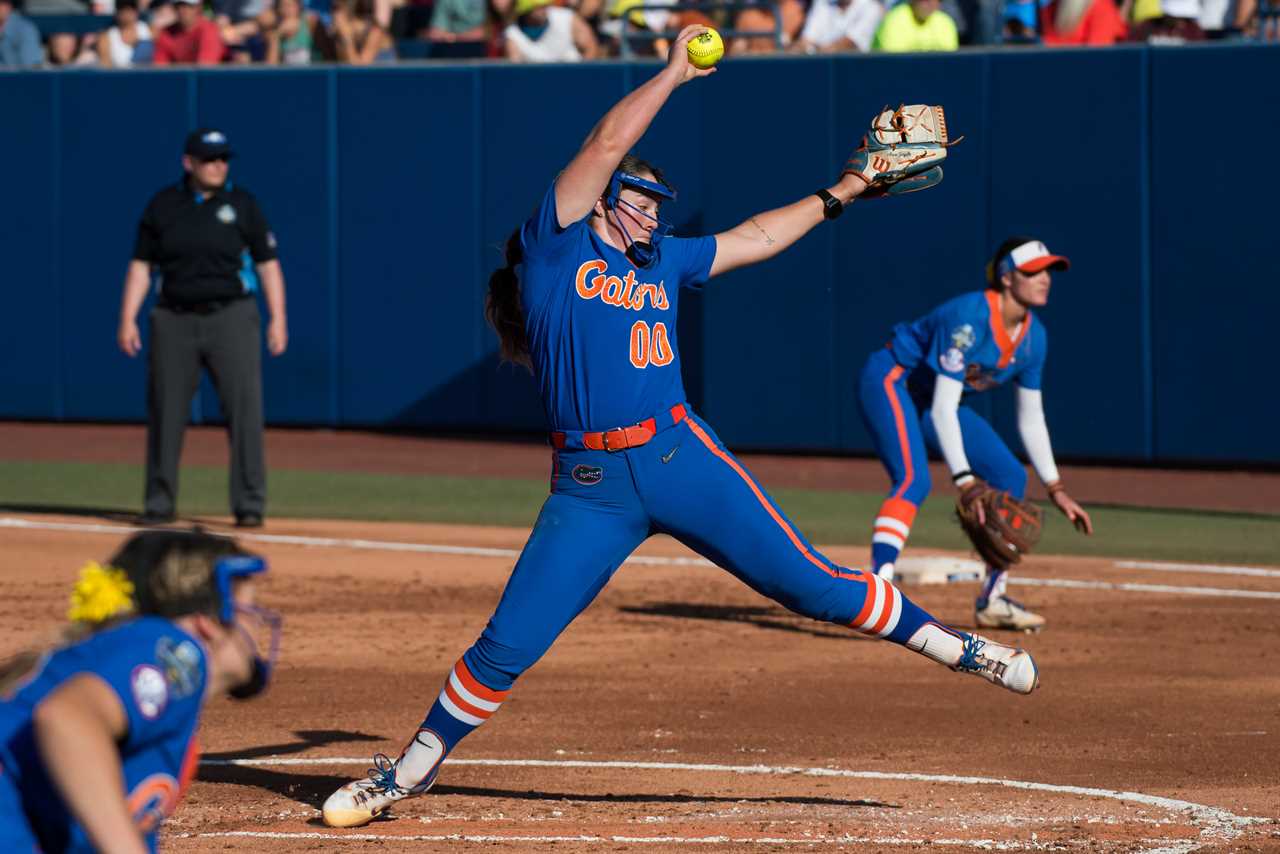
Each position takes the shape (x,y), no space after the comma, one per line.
(839,25)
(542,32)
(118,47)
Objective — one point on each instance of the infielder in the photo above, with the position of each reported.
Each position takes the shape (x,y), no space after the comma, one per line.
(588,300)
(97,736)
(911,395)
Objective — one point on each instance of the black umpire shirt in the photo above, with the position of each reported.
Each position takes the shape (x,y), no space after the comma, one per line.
(199,243)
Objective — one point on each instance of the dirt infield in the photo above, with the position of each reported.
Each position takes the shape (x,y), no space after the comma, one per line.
(683,711)
(1242,491)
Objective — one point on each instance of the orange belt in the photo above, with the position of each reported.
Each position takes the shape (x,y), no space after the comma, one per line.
(621,438)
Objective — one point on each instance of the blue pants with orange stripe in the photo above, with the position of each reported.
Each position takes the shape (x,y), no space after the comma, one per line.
(903,435)
(602,506)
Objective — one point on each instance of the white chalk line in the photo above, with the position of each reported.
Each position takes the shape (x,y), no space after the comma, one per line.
(1134,587)
(1217,824)
(1205,568)
(1170,804)
(984,844)
(655,560)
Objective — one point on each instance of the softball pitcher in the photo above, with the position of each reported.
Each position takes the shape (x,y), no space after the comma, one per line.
(911,396)
(588,301)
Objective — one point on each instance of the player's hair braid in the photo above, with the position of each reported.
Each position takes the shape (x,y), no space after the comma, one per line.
(502,306)
(171,573)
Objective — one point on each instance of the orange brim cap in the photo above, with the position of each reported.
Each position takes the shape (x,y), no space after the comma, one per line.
(1034,256)
(1056,262)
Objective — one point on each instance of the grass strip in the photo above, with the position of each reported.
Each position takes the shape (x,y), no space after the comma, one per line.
(97,489)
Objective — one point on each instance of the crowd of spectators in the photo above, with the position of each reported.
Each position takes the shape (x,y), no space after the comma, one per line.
(362,32)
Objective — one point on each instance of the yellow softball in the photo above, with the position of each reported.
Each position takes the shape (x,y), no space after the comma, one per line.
(705,49)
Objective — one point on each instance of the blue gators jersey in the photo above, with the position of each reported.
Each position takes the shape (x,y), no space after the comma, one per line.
(965,339)
(158,672)
(602,332)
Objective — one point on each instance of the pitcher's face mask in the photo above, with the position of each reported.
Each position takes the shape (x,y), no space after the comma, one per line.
(642,252)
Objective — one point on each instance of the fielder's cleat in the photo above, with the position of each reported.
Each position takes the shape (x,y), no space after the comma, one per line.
(1001,665)
(1001,612)
(360,802)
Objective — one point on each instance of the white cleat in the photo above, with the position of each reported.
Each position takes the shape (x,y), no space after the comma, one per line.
(1001,612)
(1006,666)
(887,572)
(361,801)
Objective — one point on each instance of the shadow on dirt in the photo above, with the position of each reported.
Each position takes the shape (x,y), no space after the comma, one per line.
(107,514)
(761,616)
(309,789)
(312,789)
(654,798)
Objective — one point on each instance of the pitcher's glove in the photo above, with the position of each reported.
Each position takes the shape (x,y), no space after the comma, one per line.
(902,151)
(1005,530)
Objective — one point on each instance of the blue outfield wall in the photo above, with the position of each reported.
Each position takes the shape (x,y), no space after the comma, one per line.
(392,189)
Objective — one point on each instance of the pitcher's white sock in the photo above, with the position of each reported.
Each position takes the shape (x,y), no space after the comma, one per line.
(943,645)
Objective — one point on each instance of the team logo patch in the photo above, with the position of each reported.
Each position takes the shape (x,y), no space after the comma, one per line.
(181,663)
(952,360)
(587,475)
(150,691)
(962,337)
(271,239)
(226,214)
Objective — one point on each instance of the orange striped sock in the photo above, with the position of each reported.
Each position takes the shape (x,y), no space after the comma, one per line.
(891,529)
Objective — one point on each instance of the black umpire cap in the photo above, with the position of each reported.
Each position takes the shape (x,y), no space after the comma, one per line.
(207,144)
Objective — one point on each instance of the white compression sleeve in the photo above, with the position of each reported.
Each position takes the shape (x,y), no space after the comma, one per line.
(945,412)
(1035,433)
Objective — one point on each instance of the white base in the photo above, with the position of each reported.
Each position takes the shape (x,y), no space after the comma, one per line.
(937,570)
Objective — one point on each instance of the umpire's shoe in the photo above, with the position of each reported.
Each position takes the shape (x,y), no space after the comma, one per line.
(1006,666)
(1001,612)
(361,801)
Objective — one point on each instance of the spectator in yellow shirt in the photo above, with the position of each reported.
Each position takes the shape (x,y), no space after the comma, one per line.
(916,25)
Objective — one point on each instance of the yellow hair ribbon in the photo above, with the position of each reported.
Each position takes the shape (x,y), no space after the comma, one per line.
(101,593)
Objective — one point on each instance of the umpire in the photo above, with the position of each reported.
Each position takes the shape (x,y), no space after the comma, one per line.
(212,248)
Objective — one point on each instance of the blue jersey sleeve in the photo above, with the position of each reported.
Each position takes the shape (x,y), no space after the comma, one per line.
(697,254)
(1032,372)
(952,335)
(542,236)
(158,672)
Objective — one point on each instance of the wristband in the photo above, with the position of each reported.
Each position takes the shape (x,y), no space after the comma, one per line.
(961,475)
(831,206)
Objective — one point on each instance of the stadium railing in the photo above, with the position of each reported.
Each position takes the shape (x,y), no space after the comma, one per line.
(630,31)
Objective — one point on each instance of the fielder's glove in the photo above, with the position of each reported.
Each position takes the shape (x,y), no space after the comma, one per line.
(902,151)
(1009,527)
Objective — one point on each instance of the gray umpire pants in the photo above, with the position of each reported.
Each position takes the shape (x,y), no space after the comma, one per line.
(226,342)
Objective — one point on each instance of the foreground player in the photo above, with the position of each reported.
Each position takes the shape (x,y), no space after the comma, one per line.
(588,300)
(97,737)
(910,396)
